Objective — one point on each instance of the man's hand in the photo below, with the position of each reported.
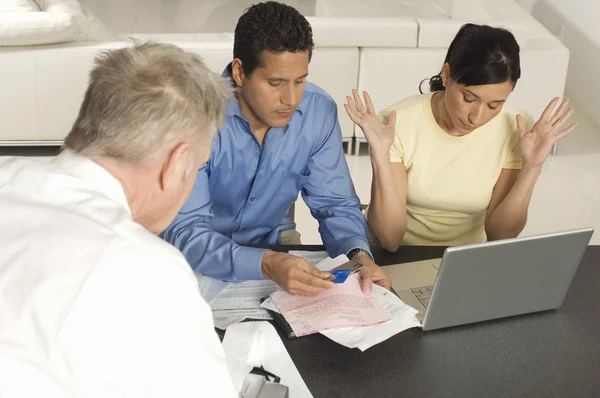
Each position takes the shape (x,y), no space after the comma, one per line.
(371,273)
(294,274)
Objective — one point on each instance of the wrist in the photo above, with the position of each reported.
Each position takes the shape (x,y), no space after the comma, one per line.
(267,263)
(358,254)
(379,155)
(531,170)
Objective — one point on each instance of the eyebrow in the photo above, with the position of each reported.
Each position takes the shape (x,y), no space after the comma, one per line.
(280,79)
(475,95)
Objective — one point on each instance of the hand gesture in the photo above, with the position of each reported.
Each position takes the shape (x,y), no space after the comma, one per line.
(536,145)
(380,136)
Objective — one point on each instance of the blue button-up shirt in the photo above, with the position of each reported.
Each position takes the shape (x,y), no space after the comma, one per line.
(243,194)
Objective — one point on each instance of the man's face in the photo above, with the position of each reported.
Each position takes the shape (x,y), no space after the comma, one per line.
(274,90)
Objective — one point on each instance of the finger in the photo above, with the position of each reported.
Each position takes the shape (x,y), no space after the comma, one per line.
(391,119)
(312,281)
(521,125)
(559,112)
(352,107)
(369,103)
(548,111)
(351,104)
(353,116)
(358,101)
(312,270)
(383,281)
(366,280)
(298,288)
(563,119)
(561,134)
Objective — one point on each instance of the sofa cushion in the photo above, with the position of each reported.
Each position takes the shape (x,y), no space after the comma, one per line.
(18,6)
(59,21)
(89,27)
(434,33)
(356,23)
(364,32)
(31,28)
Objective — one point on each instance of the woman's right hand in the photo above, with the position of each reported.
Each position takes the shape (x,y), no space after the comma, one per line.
(380,136)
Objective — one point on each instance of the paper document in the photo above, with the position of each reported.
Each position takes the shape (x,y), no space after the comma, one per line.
(251,344)
(238,342)
(342,306)
(209,287)
(330,263)
(403,317)
(324,265)
(270,305)
(243,295)
(225,318)
(234,302)
(312,258)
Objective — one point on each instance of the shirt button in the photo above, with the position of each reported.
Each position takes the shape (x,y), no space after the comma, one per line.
(244,229)
(252,199)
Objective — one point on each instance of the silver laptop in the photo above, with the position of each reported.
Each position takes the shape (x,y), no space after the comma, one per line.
(491,280)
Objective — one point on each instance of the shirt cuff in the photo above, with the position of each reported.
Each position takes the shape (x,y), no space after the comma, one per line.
(248,263)
(356,243)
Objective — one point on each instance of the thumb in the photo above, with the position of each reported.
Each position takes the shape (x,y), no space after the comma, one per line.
(521,125)
(366,282)
(313,270)
(392,119)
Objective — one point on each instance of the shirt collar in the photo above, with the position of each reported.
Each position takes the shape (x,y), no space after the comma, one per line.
(93,175)
(234,107)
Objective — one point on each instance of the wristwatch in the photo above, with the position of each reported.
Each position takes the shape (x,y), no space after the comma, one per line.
(355,252)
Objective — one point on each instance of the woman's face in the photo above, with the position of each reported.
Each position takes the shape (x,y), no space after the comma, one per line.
(471,107)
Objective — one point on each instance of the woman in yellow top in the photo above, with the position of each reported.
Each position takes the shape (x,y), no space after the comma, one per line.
(457,165)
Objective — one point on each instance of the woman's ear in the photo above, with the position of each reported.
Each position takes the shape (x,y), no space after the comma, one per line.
(445,74)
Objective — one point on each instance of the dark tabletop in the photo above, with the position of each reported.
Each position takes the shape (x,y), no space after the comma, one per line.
(549,354)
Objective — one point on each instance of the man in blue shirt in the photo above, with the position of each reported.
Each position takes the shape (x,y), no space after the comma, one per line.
(280,137)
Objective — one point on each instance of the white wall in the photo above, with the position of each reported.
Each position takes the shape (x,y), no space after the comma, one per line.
(527,4)
(575,22)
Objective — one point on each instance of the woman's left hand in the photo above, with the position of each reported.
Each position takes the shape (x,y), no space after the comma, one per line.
(536,145)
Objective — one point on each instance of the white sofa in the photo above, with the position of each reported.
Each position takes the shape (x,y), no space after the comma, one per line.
(386,48)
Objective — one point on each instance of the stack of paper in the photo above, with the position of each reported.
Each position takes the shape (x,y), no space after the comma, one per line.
(234,302)
(386,314)
(340,307)
(363,338)
(399,315)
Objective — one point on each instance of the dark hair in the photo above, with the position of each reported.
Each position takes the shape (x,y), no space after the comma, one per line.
(270,26)
(480,54)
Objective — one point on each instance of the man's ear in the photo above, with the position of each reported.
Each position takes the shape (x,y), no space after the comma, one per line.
(175,164)
(445,74)
(237,72)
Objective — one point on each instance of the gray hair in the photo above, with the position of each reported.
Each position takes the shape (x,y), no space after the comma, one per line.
(145,99)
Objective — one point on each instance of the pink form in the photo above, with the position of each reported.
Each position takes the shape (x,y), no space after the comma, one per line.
(340,307)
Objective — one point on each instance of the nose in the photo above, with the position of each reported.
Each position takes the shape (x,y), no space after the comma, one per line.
(288,95)
(475,116)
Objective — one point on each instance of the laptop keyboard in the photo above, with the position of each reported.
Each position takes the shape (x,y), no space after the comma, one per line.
(423,294)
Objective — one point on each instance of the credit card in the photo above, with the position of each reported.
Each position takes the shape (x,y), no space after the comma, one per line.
(340,275)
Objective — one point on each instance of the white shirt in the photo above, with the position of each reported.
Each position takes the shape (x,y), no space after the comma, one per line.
(91,299)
